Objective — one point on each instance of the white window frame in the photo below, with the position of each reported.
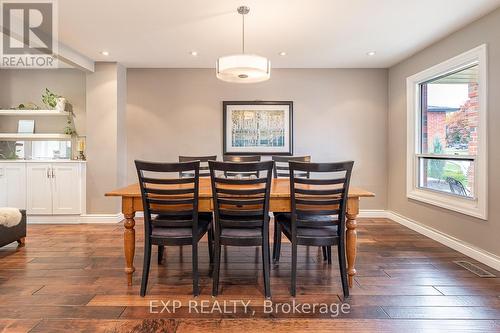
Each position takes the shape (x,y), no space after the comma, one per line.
(476,206)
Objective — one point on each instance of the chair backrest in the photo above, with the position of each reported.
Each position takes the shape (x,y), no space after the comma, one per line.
(282,168)
(166,194)
(324,194)
(241,202)
(204,171)
(240,158)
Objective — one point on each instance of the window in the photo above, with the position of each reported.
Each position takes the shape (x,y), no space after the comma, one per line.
(446,163)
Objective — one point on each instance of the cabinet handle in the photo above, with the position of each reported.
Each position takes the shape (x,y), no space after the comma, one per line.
(53,173)
(48,172)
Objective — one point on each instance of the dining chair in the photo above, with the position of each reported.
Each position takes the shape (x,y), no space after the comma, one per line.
(204,171)
(318,216)
(171,215)
(241,207)
(281,170)
(241,158)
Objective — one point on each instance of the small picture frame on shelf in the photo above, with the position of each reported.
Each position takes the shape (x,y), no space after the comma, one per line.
(26,126)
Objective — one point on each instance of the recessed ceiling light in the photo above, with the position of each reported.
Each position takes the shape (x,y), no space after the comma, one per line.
(193,53)
(105,53)
(371,53)
(282,53)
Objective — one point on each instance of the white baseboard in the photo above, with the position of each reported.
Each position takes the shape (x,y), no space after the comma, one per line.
(469,250)
(75,219)
(101,218)
(53,219)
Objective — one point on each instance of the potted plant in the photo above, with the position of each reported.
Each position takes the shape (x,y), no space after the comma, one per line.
(53,100)
(8,150)
(70,126)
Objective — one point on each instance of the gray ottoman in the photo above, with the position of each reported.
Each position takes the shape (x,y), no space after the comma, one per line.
(15,233)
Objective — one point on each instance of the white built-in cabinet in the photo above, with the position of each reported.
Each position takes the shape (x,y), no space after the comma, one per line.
(13,185)
(66,188)
(39,189)
(51,188)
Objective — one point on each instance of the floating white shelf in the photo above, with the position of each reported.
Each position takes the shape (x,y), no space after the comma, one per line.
(33,113)
(34,136)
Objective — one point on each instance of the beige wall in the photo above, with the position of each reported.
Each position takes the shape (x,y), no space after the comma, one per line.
(106,95)
(103,94)
(483,234)
(22,86)
(339,114)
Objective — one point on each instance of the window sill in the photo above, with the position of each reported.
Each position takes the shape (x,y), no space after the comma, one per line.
(464,206)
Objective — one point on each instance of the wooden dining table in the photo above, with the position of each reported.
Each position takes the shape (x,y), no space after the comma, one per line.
(279,202)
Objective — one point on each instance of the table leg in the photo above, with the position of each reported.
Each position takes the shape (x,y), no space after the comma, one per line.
(351,237)
(129,241)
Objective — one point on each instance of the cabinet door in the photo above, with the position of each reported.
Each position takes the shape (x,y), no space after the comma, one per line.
(39,188)
(66,188)
(13,185)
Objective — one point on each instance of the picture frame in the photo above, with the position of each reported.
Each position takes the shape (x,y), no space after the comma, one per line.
(26,126)
(257,127)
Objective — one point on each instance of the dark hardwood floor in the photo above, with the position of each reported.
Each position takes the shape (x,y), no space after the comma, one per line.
(69,278)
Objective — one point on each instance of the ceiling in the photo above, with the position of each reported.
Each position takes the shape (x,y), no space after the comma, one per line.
(313,33)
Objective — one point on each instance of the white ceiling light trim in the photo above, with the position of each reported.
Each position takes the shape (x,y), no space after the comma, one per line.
(243,68)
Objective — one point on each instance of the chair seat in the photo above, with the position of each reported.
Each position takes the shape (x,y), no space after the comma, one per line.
(241,236)
(287,217)
(181,233)
(321,235)
(317,232)
(281,215)
(169,220)
(241,226)
(241,232)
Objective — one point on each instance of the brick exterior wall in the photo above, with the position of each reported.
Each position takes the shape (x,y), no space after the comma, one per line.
(436,128)
(471,108)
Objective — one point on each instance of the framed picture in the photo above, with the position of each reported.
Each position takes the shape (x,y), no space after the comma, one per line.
(26,126)
(263,128)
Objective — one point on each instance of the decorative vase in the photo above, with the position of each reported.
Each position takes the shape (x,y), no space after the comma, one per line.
(61,104)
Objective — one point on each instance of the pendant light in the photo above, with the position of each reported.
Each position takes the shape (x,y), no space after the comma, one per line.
(243,68)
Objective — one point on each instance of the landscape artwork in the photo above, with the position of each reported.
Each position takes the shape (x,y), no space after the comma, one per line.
(258,127)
